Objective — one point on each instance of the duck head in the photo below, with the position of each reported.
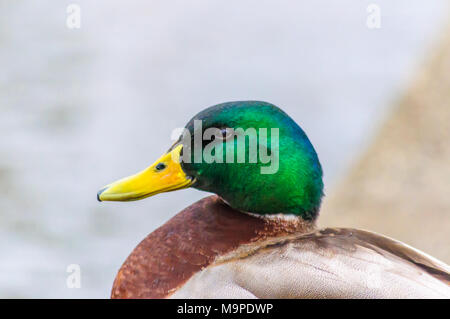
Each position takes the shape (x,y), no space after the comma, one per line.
(250,153)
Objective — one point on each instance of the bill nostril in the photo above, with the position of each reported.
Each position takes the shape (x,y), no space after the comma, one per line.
(160,166)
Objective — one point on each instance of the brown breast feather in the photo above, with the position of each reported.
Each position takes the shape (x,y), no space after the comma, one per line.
(189,242)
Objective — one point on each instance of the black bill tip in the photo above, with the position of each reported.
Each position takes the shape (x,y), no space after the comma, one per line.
(100,192)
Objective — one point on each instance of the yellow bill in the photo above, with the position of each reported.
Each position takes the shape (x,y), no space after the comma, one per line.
(164,175)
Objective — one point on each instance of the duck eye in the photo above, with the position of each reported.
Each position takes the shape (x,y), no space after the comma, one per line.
(160,166)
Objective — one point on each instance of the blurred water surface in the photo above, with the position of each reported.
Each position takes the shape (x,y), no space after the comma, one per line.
(80,108)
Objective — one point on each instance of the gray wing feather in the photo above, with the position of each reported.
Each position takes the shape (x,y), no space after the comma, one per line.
(329,263)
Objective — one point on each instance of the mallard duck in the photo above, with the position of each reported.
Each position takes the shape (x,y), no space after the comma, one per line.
(256,237)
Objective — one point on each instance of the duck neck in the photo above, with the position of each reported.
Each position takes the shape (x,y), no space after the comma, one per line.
(291,223)
(288,223)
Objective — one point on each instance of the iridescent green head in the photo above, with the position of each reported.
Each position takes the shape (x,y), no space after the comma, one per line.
(250,153)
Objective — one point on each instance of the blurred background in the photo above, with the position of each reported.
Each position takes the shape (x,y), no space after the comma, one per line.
(82,107)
